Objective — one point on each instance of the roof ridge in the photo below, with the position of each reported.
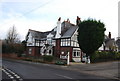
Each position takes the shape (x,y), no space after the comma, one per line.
(39,31)
(34,30)
(69,23)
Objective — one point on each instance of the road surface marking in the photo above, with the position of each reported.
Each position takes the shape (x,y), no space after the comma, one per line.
(64,76)
(21,79)
(12,75)
(17,76)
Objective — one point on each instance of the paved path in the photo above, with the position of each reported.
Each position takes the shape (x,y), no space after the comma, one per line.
(106,69)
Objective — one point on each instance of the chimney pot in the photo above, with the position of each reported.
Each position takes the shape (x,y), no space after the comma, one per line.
(109,35)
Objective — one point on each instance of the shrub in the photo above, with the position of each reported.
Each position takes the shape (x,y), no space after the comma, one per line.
(60,62)
(27,59)
(105,56)
(48,58)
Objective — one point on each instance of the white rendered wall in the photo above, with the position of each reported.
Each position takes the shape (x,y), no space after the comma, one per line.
(58,33)
(30,41)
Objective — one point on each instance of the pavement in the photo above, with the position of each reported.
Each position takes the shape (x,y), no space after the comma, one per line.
(109,70)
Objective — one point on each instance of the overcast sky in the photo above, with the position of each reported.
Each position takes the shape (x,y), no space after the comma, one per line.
(42,15)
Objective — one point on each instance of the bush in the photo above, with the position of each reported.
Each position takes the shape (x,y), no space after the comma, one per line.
(61,62)
(48,58)
(27,59)
(105,56)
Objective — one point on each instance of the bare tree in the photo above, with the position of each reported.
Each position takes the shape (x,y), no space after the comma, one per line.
(12,36)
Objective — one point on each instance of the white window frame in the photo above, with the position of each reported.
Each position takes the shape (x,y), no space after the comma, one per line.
(30,50)
(77,53)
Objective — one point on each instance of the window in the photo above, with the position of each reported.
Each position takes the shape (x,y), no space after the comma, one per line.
(62,52)
(65,42)
(37,43)
(50,51)
(74,43)
(53,42)
(76,53)
(30,50)
(29,43)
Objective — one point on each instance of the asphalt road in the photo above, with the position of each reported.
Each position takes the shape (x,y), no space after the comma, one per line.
(24,70)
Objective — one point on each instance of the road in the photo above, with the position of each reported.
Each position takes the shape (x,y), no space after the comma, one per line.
(20,70)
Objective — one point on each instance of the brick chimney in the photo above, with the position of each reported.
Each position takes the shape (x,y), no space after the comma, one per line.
(78,20)
(68,20)
(58,32)
(109,35)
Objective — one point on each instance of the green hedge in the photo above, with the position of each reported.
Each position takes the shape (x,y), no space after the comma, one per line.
(60,62)
(105,56)
(48,58)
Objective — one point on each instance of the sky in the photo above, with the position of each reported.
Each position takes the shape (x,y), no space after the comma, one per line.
(42,15)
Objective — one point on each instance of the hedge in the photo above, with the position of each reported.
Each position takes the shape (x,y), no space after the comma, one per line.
(48,58)
(105,56)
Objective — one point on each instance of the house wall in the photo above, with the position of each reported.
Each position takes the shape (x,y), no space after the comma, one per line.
(33,51)
(77,54)
(64,51)
(74,41)
(57,48)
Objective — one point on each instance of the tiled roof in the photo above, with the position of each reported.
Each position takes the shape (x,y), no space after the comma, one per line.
(70,31)
(67,30)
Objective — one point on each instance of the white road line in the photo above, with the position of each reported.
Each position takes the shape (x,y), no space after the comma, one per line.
(17,76)
(7,71)
(11,76)
(3,69)
(13,73)
(10,71)
(21,79)
(64,76)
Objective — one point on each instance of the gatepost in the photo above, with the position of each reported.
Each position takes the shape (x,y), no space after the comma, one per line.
(68,58)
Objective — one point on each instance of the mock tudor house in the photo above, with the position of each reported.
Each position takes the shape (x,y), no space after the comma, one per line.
(57,42)
(60,41)
(109,44)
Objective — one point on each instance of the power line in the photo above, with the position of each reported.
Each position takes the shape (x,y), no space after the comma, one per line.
(38,7)
(30,11)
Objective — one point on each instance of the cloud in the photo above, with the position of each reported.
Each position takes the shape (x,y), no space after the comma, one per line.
(42,15)
(22,25)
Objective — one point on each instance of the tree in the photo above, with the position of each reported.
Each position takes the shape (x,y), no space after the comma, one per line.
(12,36)
(90,35)
(12,43)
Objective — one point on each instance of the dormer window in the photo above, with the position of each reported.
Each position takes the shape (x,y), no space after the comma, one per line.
(30,50)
